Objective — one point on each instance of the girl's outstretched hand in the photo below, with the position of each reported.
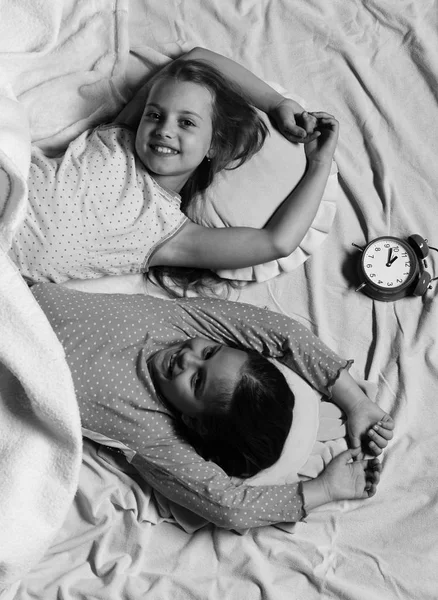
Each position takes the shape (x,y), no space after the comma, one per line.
(294,122)
(344,478)
(348,479)
(321,148)
(369,427)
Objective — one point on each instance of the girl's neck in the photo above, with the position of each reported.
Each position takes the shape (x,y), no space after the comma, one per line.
(171,183)
(167,188)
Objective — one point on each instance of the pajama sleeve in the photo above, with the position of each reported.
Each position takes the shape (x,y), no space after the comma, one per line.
(272,334)
(184,477)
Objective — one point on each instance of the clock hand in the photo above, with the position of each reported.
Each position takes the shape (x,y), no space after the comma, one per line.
(388,262)
(393,260)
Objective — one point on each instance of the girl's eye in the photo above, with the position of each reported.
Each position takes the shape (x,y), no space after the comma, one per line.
(196,380)
(187,123)
(208,352)
(153,116)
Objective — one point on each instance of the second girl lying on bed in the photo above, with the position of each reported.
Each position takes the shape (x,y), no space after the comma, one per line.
(141,365)
(112,204)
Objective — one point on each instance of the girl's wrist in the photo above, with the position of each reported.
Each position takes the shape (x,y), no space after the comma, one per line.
(277,100)
(319,166)
(315,494)
(347,394)
(273,102)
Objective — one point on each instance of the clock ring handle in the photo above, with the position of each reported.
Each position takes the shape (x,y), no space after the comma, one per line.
(419,245)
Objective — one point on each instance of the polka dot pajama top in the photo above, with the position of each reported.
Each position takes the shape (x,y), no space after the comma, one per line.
(108,340)
(93,211)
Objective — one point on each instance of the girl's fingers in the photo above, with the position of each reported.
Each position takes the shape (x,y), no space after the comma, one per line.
(371,489)
(377,442)
(382,431)
(387,422)
(322,115)
(359,457)
(375,448)
(374,479)
(293,136)
(309,122)
(380,434)
(351,453)
(372,470)
(371,465)
(294,133)
(311,137)
(325,120)
(296,130)
(380,440)
(328,124)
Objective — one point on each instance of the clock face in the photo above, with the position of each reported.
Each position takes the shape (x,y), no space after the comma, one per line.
(389,263)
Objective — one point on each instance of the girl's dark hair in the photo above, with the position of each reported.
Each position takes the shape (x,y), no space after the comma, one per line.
(245,433)
(238,133)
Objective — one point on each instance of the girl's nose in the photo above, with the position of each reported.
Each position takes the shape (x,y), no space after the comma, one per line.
(189,358)
(164,129)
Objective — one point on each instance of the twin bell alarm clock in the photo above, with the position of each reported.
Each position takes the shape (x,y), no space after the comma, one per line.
(391,268)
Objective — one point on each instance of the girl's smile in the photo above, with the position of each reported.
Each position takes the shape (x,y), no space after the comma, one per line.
(161,150)
(175,132)
(168,358)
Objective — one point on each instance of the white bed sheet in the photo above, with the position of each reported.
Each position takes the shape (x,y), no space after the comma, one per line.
(374,65)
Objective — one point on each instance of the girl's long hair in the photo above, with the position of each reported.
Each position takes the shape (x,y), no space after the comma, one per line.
(238,134)
(245,432)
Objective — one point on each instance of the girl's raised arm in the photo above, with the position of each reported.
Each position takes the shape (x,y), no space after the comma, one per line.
(283,111)
(259,93)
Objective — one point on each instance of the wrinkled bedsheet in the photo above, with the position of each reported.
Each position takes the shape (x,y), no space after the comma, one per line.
(373,65)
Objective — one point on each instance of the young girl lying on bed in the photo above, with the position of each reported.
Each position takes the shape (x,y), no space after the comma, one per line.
(111,205)
(140,362)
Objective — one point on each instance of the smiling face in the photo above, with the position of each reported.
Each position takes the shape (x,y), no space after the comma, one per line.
(175,132)
(190,374)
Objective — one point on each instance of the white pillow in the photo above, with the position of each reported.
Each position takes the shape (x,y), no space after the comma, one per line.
(249,196)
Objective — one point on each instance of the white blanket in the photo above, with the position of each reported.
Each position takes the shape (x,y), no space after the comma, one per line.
(40,436)
(65,61)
